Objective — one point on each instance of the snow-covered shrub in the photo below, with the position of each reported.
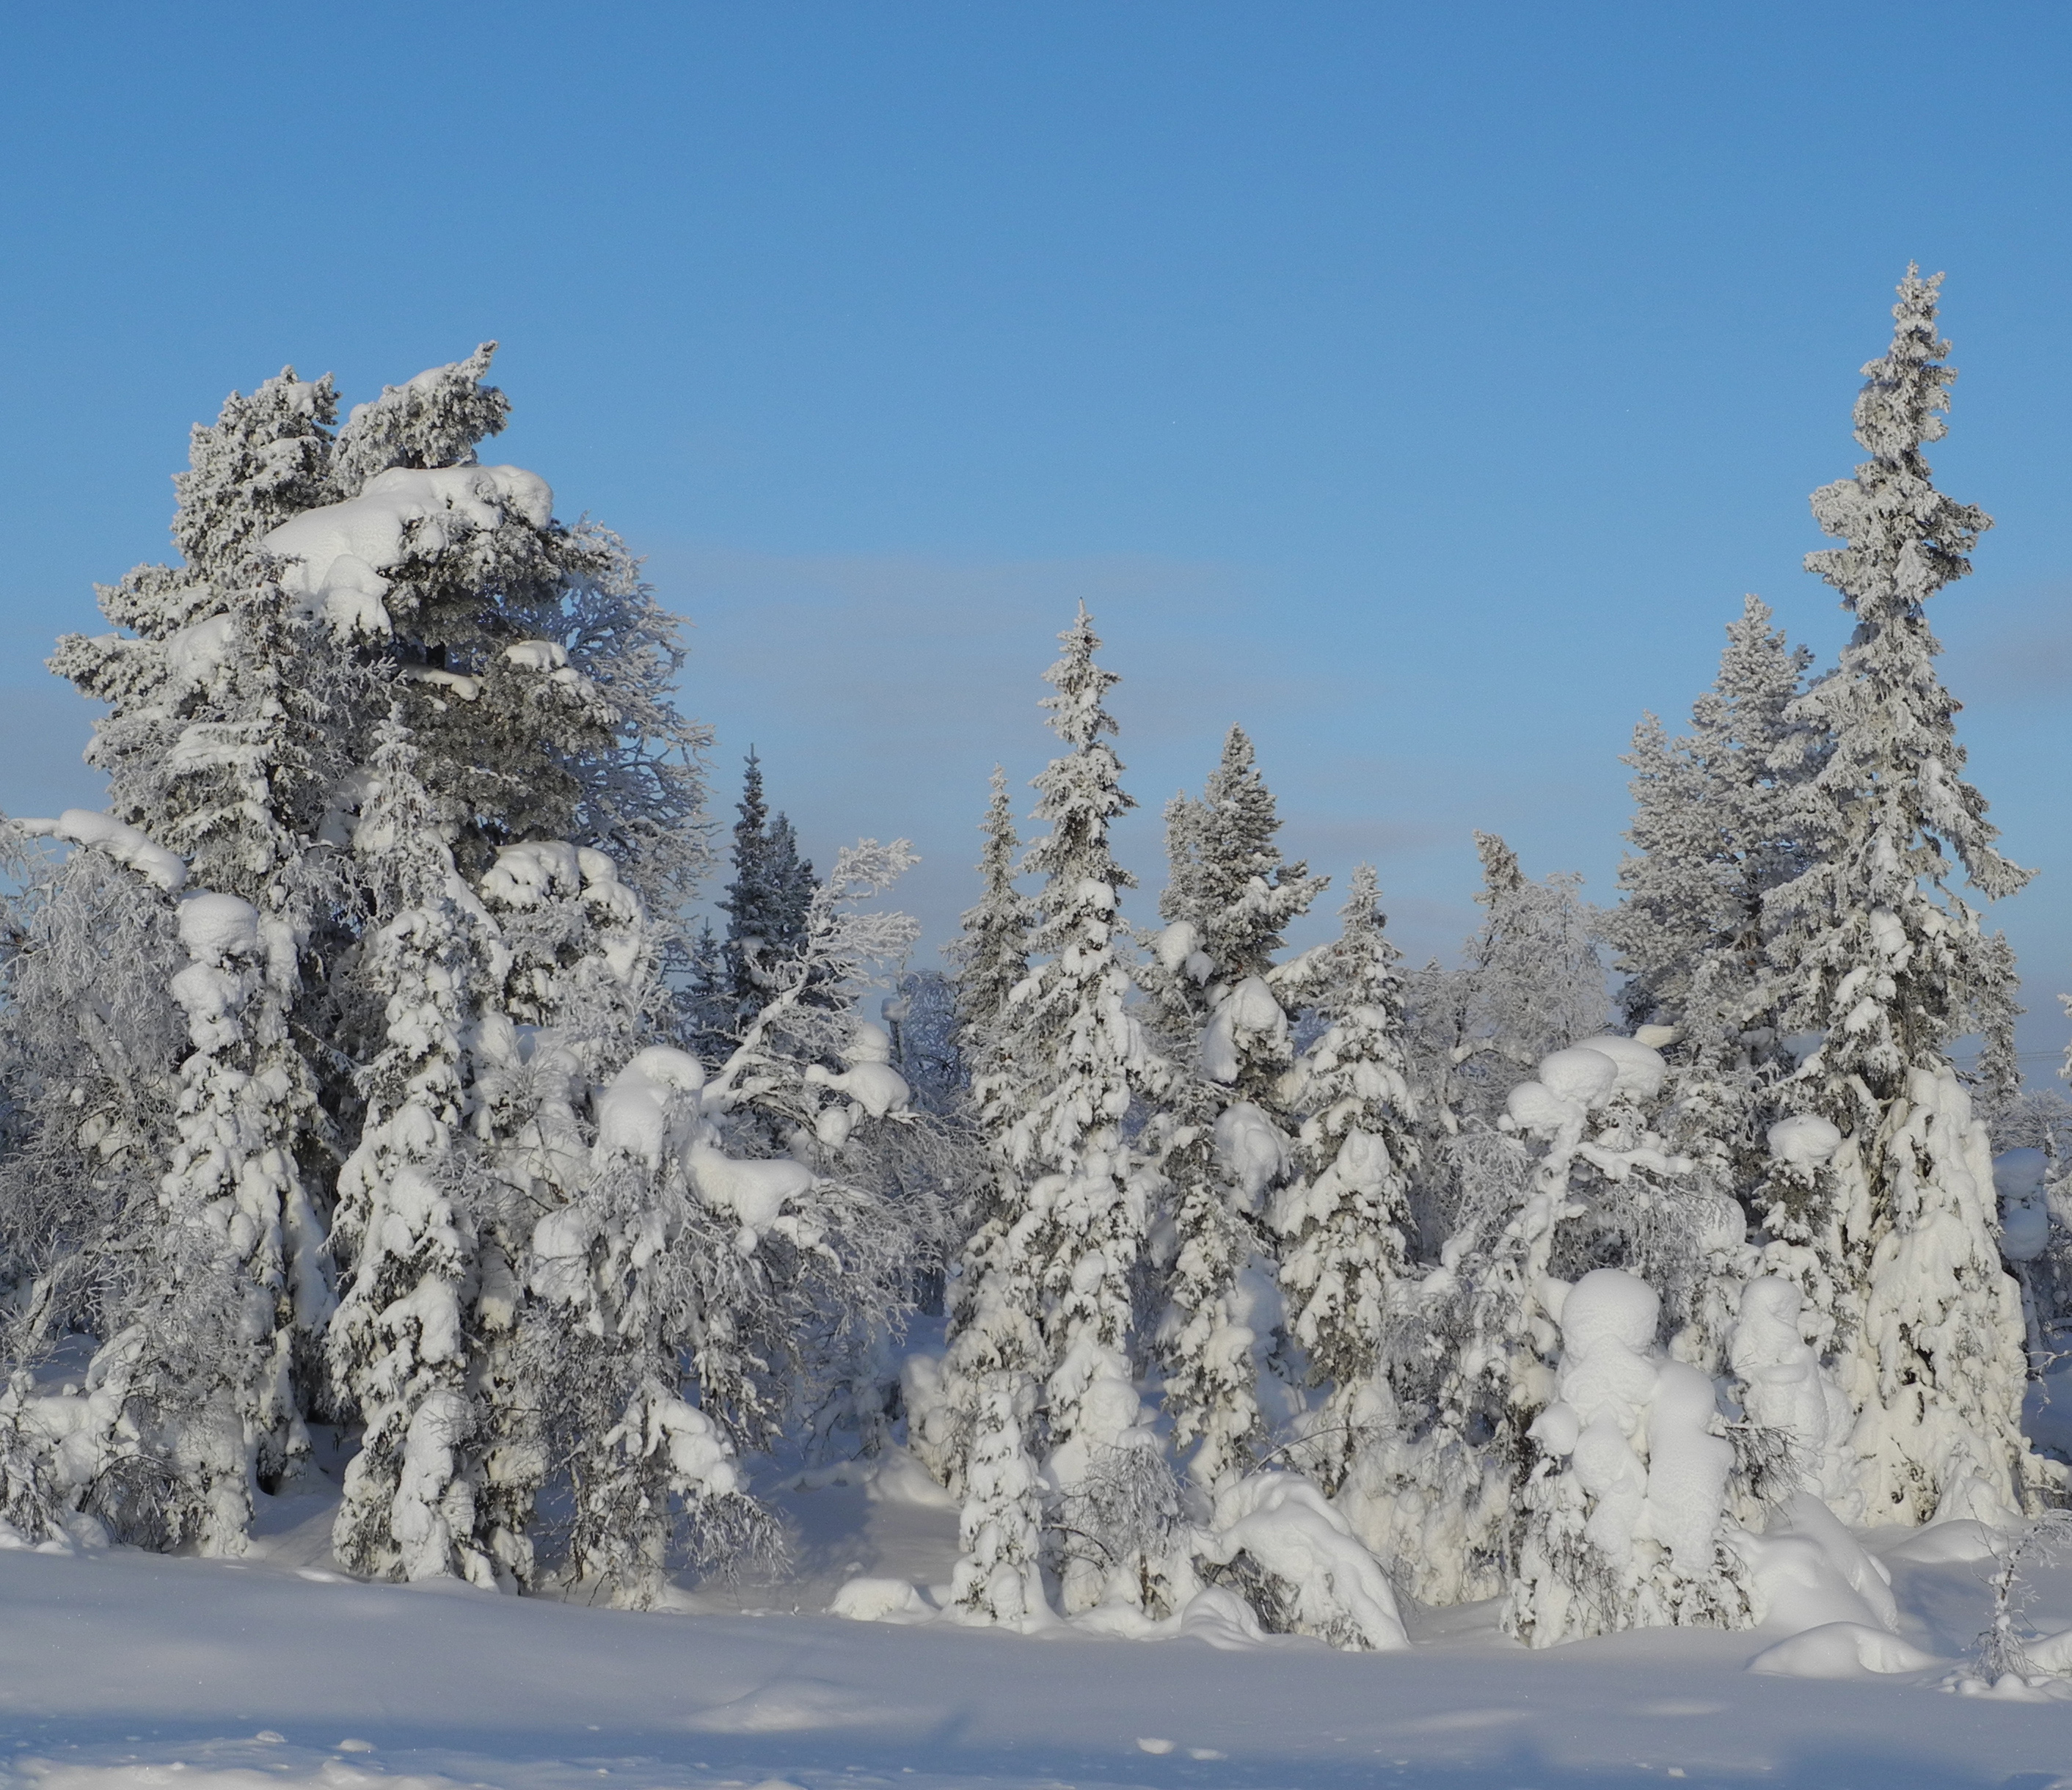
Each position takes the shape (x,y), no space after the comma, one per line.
(1296,1560)
(1439,1493)
(1626,1510)
(1783,1388)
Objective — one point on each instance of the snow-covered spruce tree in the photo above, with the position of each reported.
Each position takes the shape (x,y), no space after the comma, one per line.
(990,1305)
(1871,951)
(537,668)
(401,1344)
(765,903)
(1713,832)
(1346,1217)
(1221,1134)
(1626,1522)
(991,953)
(580,998)
(1712,827)
(229,725)
(1082,1193)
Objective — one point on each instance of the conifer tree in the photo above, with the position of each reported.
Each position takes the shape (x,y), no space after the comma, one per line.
(1223,1136)
(766,902)
(224,739)
(1346,1217)
(1872,951)
(991,953)
(407,1222)
(991,1304)
(326,579)
(1062,1287)
(1713,827)
(1089,1056)
(535,666)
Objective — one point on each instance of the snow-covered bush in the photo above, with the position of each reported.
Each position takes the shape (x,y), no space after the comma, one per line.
(1626,1523)
(1440,1491)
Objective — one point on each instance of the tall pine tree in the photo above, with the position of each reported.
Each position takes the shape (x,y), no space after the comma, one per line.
(1873,952)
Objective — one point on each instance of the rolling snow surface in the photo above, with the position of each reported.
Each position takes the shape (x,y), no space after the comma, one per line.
(121,1670)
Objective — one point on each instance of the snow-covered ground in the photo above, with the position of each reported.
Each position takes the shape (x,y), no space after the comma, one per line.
(121,1670)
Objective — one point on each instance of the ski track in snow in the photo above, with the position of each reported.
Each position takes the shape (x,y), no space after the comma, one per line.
(130,1671)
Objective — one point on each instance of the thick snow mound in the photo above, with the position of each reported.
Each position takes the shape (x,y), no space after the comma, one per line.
(215,928)
(1248,1013)
(633,1113)
(1610,1305)
(1286,1524)
(1641,1070)
(1842,1650)
(756,1191)
(1253,1152)
(880,1600)
(1959,1539)
(1581,1072)
(1572,1083)
(2053,1653)
(1804,1140)
(1809,1572)
(84,827)
(527,874)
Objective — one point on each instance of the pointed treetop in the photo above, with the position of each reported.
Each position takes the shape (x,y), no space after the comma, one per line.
(1228,878)
(1906,539)
(1362,913)
(1076,714)
(264,458)
(991,953)
(754,813)
(1501,875)
(434,420)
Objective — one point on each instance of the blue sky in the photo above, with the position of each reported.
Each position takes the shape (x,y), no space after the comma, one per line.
(1421,387)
